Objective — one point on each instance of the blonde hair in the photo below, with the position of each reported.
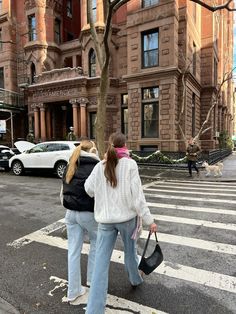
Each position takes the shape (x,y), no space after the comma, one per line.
(85,145)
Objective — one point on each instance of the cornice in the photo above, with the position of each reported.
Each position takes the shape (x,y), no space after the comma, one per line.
(157,74)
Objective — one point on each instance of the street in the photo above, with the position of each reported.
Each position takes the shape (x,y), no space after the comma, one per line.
(197,233)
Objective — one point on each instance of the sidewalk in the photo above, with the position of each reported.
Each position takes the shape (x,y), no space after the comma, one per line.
(158,173)
(6,308)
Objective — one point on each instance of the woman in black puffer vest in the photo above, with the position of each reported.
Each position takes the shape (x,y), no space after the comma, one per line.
(79,216)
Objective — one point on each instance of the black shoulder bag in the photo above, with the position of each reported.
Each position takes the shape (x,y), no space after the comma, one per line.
(148,264)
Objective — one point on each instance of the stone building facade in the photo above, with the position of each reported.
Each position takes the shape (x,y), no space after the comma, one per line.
(49,56)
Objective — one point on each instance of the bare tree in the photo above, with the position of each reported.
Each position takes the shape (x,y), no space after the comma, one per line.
(213,8)
(101,44)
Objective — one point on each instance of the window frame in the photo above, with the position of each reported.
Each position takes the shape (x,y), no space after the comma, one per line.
(150,101)
(150,5)
(69,11)
(124,106)
(32,28)
(194,59)
(143,34)
(3,77)
(57,35)
(92,66)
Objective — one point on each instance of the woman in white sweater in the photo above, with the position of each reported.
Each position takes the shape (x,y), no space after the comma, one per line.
(116,186)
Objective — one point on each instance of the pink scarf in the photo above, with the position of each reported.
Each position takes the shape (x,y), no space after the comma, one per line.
(122,152)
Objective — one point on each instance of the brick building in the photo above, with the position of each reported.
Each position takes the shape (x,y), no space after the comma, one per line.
(48,57)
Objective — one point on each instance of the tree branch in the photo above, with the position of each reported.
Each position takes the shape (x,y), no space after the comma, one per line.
(226,5)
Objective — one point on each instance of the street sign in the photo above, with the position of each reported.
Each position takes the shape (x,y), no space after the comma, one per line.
(3,127)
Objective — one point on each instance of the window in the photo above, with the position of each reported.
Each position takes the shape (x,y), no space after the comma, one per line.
(124,114)
(150,54)
(32,27)
(2,78)
(32,73)
(193,114)
(69,8)
(194,59)
(92,63)
(57,31)
(148,3)
(94,11)
(92,118)
(150,112)
(68,62)
(0,39)
(215,72)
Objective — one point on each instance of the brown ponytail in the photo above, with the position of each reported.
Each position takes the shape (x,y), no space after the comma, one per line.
(115,140)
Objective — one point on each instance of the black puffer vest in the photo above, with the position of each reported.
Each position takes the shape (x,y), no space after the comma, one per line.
(74,195)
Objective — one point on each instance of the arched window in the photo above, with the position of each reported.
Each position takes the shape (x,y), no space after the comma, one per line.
(32,73)
(92,63)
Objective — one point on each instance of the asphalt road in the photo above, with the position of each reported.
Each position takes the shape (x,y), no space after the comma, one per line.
(199,245)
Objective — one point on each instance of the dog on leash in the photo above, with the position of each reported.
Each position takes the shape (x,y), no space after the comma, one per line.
(216,169)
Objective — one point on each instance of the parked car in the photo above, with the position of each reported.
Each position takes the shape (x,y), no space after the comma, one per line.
(5,154)
(52,156)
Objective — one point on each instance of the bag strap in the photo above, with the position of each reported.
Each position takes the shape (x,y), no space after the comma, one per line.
(146,244)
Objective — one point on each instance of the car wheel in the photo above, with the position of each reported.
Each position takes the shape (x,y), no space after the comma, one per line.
(17,168)
(60,169)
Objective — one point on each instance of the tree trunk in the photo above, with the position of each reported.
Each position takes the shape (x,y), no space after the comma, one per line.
(100,124)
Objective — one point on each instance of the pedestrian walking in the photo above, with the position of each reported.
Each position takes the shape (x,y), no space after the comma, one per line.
(192,155)
(119,200)
(79,216)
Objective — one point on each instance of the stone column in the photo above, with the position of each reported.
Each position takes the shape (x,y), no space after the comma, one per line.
(42,122)
(48,123)
(75,116)
(36,122)
(83,120)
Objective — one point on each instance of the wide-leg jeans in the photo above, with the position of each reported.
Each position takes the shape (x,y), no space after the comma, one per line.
(77,224)
(107,234)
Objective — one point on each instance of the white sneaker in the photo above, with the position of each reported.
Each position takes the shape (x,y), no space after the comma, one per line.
(77,300)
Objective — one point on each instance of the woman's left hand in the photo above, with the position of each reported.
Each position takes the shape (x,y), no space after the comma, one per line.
(153,228)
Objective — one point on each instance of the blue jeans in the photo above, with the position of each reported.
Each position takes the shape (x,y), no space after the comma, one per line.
(107,234)
(77,224)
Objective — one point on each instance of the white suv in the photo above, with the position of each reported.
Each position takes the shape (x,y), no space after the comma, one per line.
(47,155)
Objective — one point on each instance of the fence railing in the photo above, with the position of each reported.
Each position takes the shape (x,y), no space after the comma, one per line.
(177,159)
(11,99)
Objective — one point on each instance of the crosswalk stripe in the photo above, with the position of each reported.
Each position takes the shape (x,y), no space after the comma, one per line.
(163,237)
(200,183)
(199,188)
(175,197)
(118,305)
(196,222)
(190,192)
(174,270)
(192,208)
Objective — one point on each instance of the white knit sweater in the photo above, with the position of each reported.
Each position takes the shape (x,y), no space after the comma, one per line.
(122,203)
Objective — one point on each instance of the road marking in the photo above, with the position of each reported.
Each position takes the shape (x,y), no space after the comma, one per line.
(196,222)
(194,243)
(192,208)
(200,183)
(174,270)
(190,192)
(212,200)
(46,230)
(163,185)
(114,304)
(163,237)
